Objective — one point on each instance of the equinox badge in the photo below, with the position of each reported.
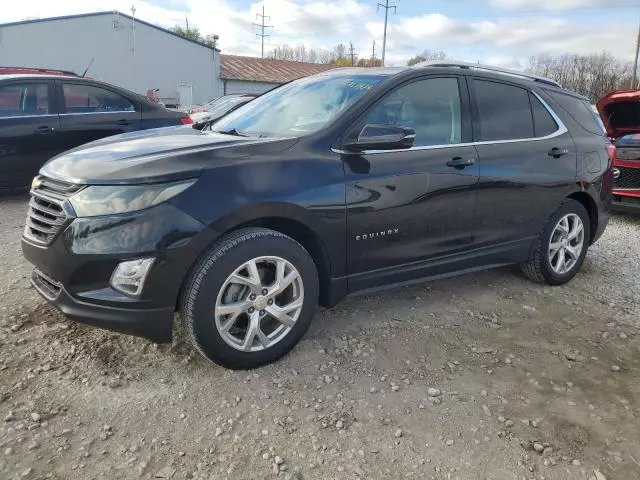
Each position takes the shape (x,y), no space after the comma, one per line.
(384,233)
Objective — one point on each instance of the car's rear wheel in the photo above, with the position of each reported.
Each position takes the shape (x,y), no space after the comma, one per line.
(562,246)
(251,298)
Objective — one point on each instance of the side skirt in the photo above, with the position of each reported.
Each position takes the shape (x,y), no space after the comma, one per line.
(441,267)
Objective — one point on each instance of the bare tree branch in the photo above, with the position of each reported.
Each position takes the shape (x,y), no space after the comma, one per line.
(593,76)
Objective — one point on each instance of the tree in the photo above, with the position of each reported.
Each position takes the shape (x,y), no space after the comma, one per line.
(337,56)
(428,55)
(369,62)
(195,35)
(593,75)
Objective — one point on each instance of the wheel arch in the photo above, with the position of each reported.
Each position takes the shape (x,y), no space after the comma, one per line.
(592,209)
(288,219)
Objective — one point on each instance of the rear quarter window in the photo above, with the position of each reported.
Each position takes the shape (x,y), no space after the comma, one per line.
(580,110)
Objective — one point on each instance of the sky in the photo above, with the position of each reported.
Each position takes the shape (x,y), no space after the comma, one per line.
(497,32)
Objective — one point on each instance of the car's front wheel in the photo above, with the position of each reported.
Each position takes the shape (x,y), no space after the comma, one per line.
(251,298)
(562,246)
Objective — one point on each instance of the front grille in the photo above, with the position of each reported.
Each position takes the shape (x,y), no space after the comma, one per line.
(629,178)
(46,215)
(47,286)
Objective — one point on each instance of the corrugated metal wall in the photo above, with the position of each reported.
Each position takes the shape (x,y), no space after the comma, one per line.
(242,86)
(159,60)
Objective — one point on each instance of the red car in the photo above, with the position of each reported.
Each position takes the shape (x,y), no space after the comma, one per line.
(620,113)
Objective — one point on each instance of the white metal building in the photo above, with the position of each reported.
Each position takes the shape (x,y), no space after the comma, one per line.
(118,49)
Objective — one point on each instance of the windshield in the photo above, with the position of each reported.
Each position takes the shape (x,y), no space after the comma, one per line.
(300,107)
(227,104)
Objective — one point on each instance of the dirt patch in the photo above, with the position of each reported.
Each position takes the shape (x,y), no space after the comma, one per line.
(484,376)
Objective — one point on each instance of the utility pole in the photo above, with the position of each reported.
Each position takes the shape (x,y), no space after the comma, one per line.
(262,27)
(386,7)
(352,54)
(373,51)
(635,62)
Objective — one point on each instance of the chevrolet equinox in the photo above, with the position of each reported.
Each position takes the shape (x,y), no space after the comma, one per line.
(348,181)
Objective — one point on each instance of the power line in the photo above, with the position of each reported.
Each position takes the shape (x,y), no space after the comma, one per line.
(352,54)
(262,27)
(386,7)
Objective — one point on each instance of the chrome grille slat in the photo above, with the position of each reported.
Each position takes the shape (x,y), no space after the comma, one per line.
(46,215)
(38,225)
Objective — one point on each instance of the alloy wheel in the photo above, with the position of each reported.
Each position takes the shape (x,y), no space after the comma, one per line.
(567,242)
(259,303)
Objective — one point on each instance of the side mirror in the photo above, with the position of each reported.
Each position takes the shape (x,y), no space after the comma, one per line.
(382,137)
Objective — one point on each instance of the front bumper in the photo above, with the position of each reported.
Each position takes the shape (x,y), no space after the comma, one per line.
(626,201)
(154,324)
(73,271)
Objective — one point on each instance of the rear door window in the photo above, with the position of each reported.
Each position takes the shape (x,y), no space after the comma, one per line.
(580,110)
(543,122)
(24,100)
(90,99)
(504,111)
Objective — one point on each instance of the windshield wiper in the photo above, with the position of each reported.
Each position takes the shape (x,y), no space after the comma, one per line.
(232,131)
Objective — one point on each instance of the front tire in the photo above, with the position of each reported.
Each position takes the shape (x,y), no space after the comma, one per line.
(560,250)
(250,299)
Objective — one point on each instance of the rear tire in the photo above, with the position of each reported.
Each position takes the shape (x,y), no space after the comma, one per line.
(559,251)
(250,299)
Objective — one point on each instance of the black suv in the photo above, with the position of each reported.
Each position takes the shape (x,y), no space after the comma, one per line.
(352,180)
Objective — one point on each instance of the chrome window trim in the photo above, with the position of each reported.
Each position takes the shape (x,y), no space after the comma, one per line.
(98,113)
(30,116)
(562,129)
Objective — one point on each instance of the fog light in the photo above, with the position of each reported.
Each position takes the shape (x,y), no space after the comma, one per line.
(128,277)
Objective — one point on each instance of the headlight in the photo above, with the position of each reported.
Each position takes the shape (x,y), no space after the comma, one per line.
(111,199)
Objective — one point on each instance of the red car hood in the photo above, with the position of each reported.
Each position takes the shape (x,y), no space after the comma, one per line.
(620,112)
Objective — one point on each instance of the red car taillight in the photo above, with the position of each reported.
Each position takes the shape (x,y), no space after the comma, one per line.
(186,120)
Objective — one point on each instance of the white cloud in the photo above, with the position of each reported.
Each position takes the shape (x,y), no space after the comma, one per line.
(513,38)
(560,5)
(506,41)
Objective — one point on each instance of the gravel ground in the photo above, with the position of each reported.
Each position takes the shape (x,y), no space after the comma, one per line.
(486,376)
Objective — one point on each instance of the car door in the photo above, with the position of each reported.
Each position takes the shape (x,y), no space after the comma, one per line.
(407,207)
(527,163)
(91,112)
(28,130)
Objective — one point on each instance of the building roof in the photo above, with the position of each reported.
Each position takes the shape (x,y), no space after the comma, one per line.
(234,67)
(110,12)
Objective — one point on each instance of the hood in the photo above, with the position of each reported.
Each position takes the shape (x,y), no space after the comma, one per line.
(199,116)
(620,112)
(203,117)
(151,156)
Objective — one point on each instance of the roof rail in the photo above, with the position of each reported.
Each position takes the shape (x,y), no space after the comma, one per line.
(488,68)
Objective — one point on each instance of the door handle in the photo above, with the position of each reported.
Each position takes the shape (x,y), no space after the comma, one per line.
(124,122)
(556,152)
(44,129)
(460,163)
